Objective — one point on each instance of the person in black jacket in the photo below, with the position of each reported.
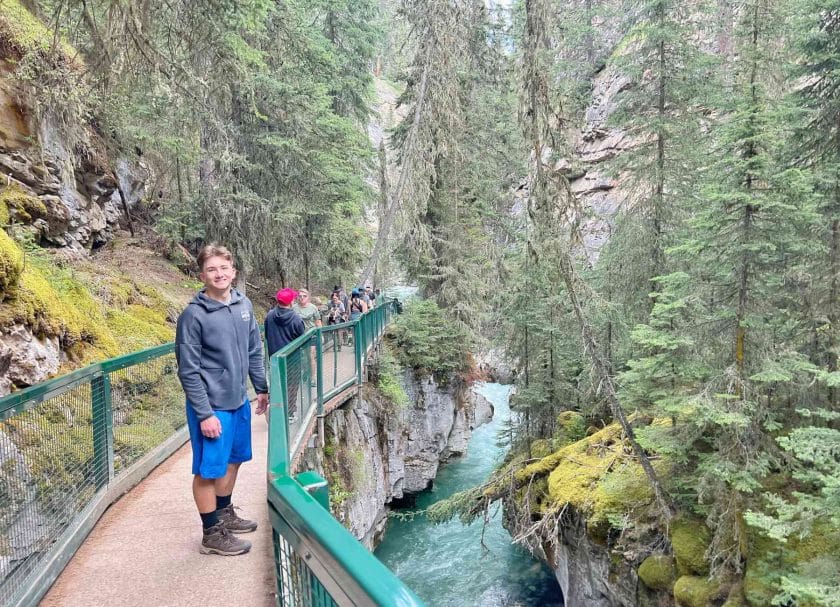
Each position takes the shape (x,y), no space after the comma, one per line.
(282,327)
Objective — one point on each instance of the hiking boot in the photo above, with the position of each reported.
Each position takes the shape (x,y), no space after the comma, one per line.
(233,522)
(218,540)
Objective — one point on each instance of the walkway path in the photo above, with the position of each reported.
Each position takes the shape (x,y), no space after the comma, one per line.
(144,550)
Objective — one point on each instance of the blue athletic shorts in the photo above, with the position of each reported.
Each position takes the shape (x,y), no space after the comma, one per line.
(211,456)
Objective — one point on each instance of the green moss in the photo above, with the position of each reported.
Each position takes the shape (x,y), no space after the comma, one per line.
(26,207)
(24,32)
(137,327)
(658,572)
(596,476)
(690,539)
(57,302)
(691,591)
(4,214)
(11,263)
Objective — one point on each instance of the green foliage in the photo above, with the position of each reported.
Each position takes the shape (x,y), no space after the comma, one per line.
(571,427)
(251,116)
(428,340)
(389,378)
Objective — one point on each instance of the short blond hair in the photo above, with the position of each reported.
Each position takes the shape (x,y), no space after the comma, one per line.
(213,250)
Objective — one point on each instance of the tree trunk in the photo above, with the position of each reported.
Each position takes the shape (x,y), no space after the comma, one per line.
(603,374)
(387,222)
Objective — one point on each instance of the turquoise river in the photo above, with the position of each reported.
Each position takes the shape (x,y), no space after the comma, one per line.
(446,564)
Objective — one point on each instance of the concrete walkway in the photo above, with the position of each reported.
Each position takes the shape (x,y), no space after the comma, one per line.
(144,550)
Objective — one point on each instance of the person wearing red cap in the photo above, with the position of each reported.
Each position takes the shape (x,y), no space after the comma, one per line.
(282,327)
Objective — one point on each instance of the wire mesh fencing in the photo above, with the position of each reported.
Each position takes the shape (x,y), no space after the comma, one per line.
(338,359)
(301,386)
(148,407)
(296,584)
(66,443)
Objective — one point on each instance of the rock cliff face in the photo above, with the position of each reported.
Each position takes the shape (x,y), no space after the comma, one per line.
(69,198)
(588,573)
(76,199)
(376,454)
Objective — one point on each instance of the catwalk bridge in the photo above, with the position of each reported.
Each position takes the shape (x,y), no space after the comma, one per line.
(95,490)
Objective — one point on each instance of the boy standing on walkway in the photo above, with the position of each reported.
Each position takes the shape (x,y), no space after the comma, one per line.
(218,345)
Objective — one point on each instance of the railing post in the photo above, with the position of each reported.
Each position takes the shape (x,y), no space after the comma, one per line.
(278,426)
(103,429)
(319,369)
(357,346)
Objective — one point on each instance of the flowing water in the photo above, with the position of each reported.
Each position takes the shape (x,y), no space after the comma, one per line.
(446,564)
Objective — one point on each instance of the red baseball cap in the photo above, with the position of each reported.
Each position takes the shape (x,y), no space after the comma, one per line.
(286,296)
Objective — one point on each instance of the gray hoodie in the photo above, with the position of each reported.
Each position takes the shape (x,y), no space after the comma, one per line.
(217,346)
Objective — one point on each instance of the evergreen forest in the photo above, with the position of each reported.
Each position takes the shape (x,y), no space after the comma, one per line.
(638,201)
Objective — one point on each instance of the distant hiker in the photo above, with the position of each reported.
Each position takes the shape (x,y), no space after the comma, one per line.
(371,298)
(282,327)
(217,346)
(311,317)
(337,313)
(357,304)
(307,311)
(342,295)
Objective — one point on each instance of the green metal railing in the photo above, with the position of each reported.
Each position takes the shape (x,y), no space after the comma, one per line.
(318,562)
(68,448)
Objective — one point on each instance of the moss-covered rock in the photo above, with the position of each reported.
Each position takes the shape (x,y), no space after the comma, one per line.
(658,572)
(11,263)
(94,317)
(22,206)
(597,476)
(693,591)
(690,540)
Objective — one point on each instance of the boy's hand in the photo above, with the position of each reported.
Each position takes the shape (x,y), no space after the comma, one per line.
(262,404)
(211,427)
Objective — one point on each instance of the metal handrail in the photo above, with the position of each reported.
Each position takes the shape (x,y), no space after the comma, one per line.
(318,562)
(351,574)
(105,469)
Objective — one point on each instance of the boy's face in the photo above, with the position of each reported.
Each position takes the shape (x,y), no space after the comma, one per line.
(217,274)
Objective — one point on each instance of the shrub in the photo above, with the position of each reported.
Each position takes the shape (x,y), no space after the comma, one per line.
(388,378)
(429,341)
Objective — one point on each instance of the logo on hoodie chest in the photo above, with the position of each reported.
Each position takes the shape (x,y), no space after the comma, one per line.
(246,315)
